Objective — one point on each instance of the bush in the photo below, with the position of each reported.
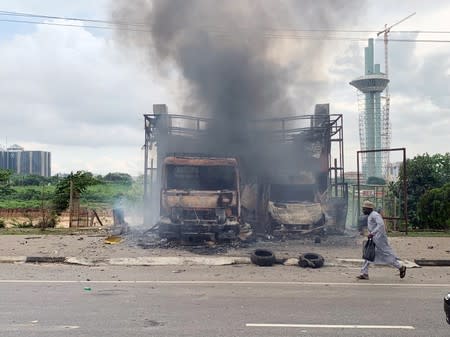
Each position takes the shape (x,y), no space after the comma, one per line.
(25,224)
(376,181)
(49,220)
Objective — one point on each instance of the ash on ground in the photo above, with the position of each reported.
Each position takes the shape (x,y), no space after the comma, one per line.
(148,239)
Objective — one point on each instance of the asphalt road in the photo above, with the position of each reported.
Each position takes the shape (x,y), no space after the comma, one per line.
(57,300)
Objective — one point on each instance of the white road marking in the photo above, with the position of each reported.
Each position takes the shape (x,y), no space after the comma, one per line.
(330,326)
(281,283)
(36,327)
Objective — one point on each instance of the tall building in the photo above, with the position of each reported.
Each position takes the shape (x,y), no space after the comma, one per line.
(394,170)
(374,131)
(3,157)
(16,159)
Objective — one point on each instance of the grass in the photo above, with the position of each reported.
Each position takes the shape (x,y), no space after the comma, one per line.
(98,196)
(414,234)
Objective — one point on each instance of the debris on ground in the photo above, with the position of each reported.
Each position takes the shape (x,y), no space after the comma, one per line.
(113,239)
(144,238)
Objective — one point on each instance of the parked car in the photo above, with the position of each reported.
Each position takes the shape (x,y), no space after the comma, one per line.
(447,307)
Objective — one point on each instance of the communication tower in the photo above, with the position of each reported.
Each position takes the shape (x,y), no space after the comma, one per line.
(371,115)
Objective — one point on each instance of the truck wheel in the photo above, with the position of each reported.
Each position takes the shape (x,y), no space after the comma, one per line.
(263,257)
(311,260)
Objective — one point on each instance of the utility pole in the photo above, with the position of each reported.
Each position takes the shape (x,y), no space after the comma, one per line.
(70,203)
(44,220)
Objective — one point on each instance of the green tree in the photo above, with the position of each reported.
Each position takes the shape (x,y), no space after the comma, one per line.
(4,176)
(121,178)
(423,173)
(80,180)
(28,180)
(5,187)
(433,209)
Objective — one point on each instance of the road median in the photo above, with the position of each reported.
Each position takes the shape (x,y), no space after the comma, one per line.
(193,261)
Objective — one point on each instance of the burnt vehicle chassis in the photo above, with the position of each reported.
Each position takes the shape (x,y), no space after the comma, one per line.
(187,135)
(189,232)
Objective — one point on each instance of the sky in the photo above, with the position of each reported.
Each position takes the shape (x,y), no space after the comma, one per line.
(81,95)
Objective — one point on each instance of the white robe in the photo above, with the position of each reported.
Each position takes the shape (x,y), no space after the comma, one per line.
(384,254)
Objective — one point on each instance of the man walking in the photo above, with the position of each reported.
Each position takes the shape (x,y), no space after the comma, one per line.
(383,252)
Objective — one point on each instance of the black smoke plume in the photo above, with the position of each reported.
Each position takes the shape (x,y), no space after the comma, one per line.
(237,60)
(240,59)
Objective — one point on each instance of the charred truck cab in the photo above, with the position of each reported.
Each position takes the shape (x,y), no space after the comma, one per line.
(199,199)
(294,209)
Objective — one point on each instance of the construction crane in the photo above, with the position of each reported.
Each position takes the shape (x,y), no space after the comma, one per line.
(386,133)
(386,31)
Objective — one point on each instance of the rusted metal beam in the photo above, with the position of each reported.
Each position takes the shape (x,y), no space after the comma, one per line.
(97,217)
(207,161)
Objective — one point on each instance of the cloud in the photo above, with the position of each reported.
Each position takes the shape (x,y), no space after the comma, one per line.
(420,96)
(66,86)
(74,92)
(79,8)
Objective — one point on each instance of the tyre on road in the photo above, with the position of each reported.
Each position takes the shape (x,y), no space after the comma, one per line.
(311,260)
(263,257)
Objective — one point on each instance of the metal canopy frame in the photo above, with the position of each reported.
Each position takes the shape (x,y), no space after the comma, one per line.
(284,129)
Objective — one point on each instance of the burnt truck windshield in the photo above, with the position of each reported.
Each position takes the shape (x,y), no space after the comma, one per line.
(291,193)
(205,178)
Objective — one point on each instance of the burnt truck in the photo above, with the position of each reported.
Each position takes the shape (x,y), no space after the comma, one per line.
(278,180)
(301,191)
(199,199)
(294,208)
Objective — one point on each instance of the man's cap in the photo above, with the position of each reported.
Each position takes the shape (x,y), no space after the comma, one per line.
(368,204)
